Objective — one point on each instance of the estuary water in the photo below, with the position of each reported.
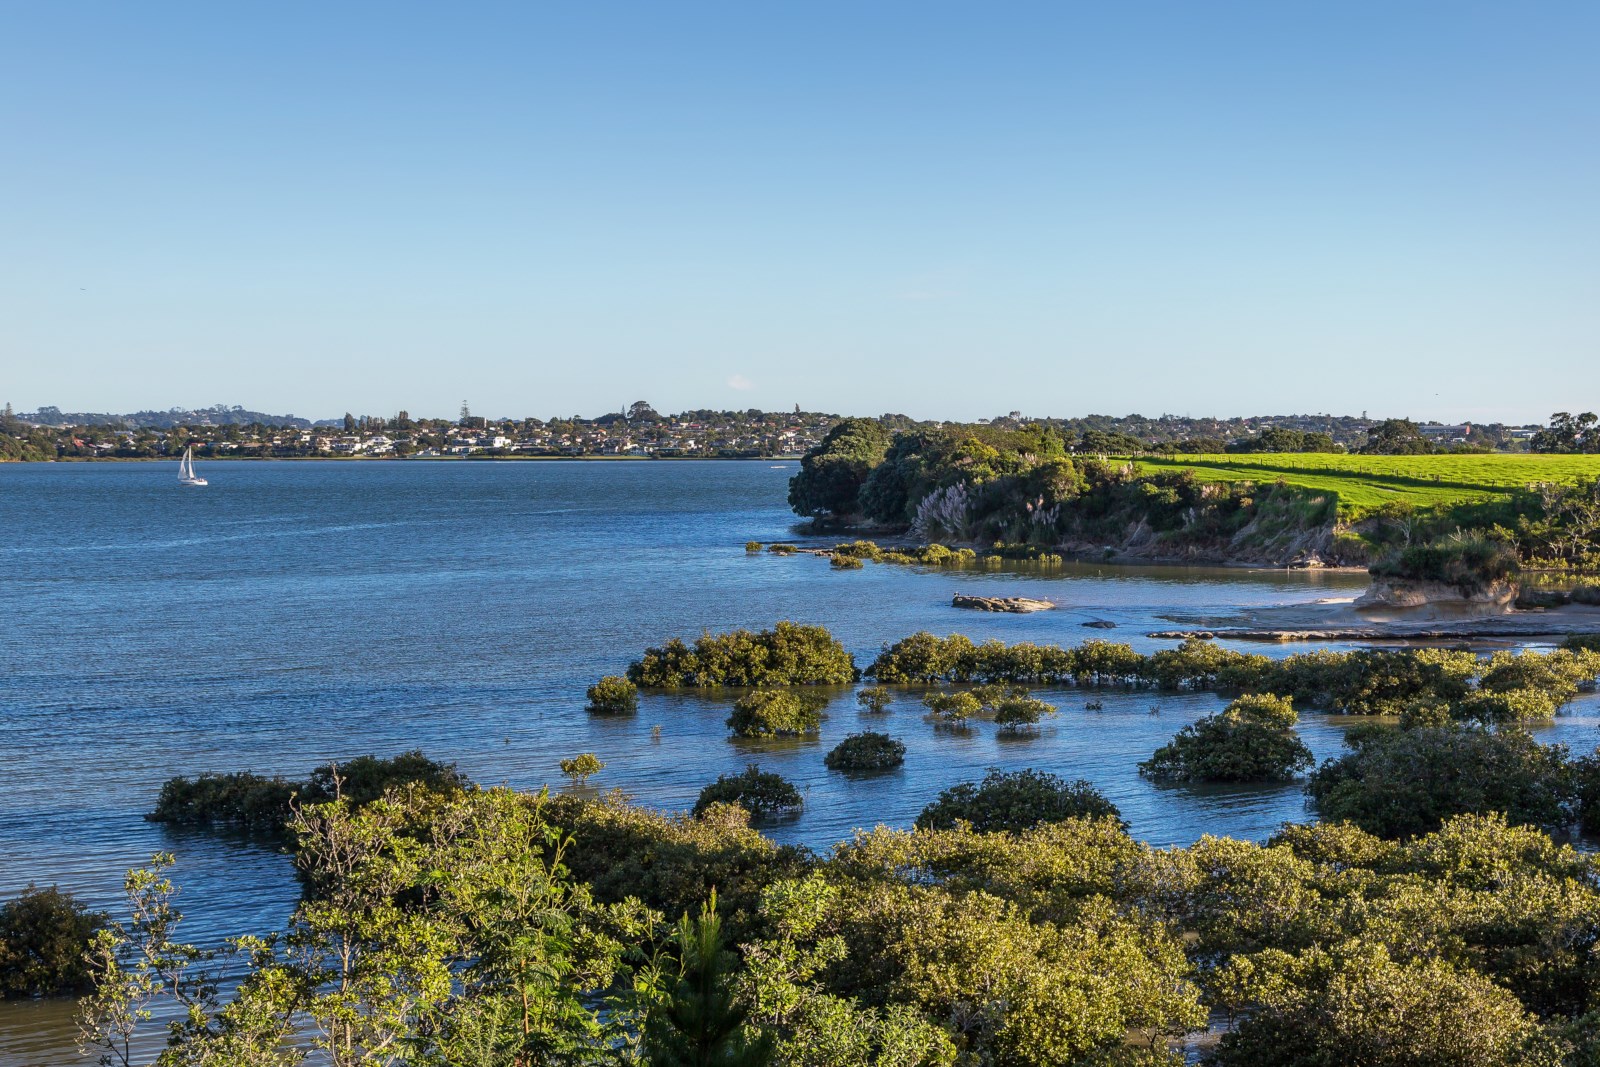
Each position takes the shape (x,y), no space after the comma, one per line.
(296,612)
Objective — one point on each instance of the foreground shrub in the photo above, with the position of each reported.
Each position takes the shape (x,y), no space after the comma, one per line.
(866,752)
(1251,740)
(763,794)
(788,654)
(1014,801)
(44,934)
(776,713)
(1357,1005)
(1400,783)
(612,695)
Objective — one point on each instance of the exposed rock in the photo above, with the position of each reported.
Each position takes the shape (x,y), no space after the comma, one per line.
(1404,593)
(1100,624)
(1000,603)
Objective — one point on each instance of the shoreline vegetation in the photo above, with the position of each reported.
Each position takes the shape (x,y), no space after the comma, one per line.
(1429,912)
(1431,529)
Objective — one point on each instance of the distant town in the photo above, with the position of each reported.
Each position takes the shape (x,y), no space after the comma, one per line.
(637,431)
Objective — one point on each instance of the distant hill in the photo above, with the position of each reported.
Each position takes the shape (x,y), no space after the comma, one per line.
(216,415)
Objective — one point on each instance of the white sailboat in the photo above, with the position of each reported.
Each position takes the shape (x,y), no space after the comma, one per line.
(186,474)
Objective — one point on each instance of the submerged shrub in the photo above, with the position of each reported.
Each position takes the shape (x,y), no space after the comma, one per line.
(612,695)
(845,563)
(1014,801)
(752,546)
(1251,740)
(242,799)
(582,767)
(952,707)
(788,654)
(875,699)
(253,802)
(1400,783)
(44,934)
(866,751)
(776,713)
(763,794)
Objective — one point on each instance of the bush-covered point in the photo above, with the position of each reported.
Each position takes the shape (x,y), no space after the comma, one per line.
(752,546)
(1251,740)
(776,713)
(612,695)
(1469,563)
(44,934)
(788,654)
(763,794)
(1400,783)
(845,563)
(875,699)
(1014,801)
(781,549)
(866,751)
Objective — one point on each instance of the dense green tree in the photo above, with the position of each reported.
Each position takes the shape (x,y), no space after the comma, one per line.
(1395,437)
(763,794)
(1251,740)
(833,472)
(44,934)
(700,1023)
(1399,783)
(1013,801)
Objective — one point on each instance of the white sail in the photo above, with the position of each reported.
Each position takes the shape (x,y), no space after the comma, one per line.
(186,475)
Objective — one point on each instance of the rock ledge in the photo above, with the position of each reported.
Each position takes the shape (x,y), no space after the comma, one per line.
(1016,604)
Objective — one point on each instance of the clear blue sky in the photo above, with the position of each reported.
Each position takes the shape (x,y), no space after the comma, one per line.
(946,209)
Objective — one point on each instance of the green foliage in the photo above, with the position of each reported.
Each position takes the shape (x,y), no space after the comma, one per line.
(788,654)
(1252,740)
(1015,714)
(445,926)
(776,713)
(1014,801)
(1400,783)
(763,794)
(1472,564)
(253,802)
(952,707)
(44,934)
(875,699)
(752,546)
(845,563)
(1354,1005)
(582,767)
(612,695)
(866,751)
(248,801)
(698,1023)
(833,472)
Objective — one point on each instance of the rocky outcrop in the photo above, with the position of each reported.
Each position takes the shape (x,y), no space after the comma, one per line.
(1016,604)
(1408,593)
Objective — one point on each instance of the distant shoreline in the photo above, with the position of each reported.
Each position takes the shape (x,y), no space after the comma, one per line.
(414,459)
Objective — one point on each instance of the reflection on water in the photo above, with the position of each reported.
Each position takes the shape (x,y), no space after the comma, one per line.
(296,612)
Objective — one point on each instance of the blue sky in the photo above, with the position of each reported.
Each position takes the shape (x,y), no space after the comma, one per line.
(946,209)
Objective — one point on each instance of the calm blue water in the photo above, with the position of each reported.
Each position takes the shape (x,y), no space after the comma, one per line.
(291,613)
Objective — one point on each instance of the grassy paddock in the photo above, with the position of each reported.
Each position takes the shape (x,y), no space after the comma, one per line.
(1365,483)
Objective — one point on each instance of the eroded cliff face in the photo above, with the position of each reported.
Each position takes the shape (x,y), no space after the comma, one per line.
(1402,593)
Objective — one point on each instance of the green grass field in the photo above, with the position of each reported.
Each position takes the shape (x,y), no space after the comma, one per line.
(1364,483)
